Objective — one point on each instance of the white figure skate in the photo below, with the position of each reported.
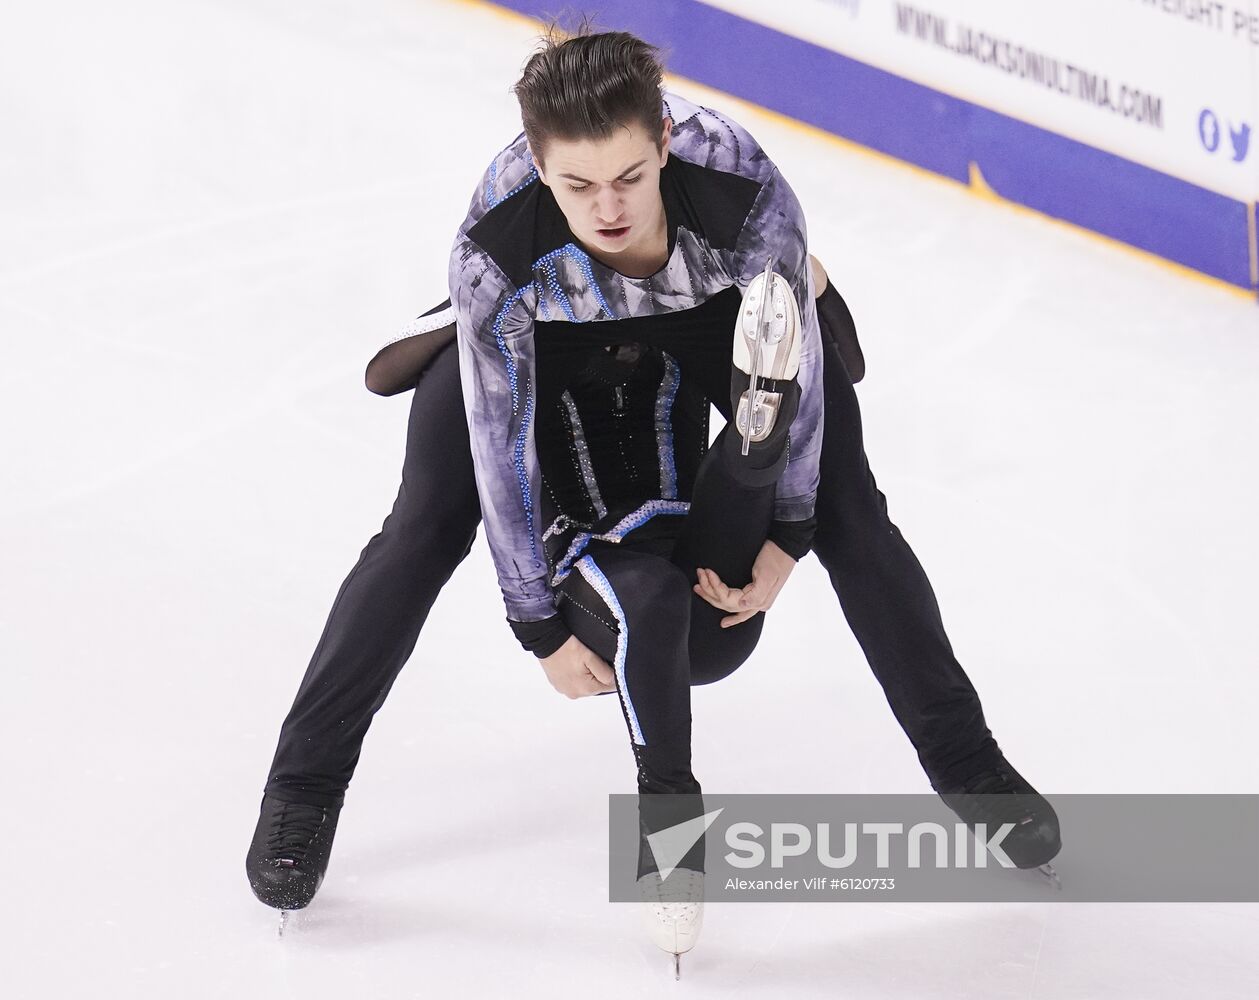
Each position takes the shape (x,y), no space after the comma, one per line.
(673,911)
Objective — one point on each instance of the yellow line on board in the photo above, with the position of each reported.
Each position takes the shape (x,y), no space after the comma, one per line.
(977,185)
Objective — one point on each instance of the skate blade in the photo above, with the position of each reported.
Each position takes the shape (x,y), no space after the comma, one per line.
(677,966)
(284,919)
(1047,871)
(755,417)
(765,323)
(769,329)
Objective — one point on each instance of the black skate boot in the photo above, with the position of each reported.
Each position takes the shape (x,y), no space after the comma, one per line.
(289,853)
(1001,795)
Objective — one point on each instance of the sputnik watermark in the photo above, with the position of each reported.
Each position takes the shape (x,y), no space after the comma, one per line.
(911,848)
(795,840)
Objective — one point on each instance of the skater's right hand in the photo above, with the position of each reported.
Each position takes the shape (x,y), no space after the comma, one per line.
(576,671)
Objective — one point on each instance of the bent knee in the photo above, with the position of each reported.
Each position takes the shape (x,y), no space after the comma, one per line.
(717,654)
(664,588)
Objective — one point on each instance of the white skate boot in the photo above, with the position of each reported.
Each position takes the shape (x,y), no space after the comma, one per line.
(673,911)
(766,348)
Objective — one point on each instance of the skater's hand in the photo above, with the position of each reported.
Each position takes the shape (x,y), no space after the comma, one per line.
(769,573)
(575,670)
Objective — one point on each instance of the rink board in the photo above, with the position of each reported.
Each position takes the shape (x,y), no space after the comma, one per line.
(1145,208)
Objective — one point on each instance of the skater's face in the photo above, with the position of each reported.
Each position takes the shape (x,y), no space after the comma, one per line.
(609,191)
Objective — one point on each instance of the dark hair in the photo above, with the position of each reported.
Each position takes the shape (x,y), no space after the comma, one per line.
(586,84)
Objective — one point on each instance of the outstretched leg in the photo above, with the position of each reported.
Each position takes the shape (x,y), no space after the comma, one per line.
(886,596)
(384,602)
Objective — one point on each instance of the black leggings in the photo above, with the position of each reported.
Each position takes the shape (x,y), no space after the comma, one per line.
(383,603)
(631,603)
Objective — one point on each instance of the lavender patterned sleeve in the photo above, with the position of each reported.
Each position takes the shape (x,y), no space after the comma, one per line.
(776,226)
(494,323)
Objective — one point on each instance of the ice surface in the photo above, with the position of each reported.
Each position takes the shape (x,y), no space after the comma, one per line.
(215,211)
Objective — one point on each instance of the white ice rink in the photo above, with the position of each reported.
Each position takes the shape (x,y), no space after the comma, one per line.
(212,213)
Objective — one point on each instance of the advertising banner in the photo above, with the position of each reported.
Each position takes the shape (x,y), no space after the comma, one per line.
(1172,84)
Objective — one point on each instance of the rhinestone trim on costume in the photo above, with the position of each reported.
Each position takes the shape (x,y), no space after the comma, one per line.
(490,199)
(560,524)
(546,263)
(615,534)
(664,429)
(594,576)
(518,453)
(425,324)
(583,455)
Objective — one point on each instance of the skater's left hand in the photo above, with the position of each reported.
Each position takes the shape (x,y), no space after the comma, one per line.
(769,573)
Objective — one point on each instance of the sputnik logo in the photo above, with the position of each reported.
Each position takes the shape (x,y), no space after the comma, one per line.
(669,846)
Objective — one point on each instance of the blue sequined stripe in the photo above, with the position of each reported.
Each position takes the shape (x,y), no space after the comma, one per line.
(565,565)
(601,585)
(491,199)
(546,264)
(489,184)
(504,350)
(522,476)
(615,534)
(518,453)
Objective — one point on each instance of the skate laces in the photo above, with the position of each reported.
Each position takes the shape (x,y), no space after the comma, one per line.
(997,782)
(677,898)
(292,831)
(677,912)
(995,797)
